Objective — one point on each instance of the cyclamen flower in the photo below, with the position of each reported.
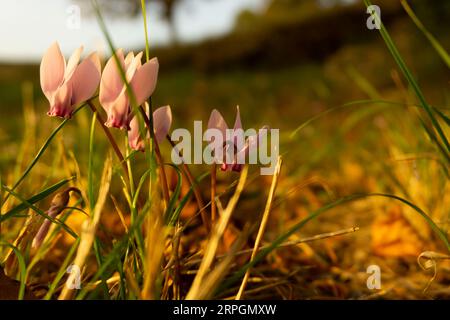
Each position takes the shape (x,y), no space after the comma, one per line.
(235,147)
(68,85)
(162,120)
(113,92)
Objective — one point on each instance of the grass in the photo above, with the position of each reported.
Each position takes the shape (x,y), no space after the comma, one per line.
(377,160)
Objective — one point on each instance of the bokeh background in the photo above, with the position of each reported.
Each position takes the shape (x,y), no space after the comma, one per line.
(287,59)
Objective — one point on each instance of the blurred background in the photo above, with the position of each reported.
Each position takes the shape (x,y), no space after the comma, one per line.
(282,62)
(296,56)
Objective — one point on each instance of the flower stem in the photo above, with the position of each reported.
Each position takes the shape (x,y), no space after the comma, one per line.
(163,176)
(193,183)
(110,138)
(213,192)
(262,226)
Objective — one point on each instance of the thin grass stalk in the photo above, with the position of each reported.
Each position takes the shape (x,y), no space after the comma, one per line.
(144,17)
(285,244)
(110,138)
(155,244)
(39,154)
(162,172)
(195,188)
(407,74)
(89,228)
(218,229)
(213,192)
(22,267)
(282,238)
(434,42)
(262,226)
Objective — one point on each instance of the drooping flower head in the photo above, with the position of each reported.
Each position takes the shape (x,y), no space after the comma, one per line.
(235,147)
(66,85)
(113,94)
(162,120)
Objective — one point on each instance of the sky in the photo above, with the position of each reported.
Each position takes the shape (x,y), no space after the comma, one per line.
(29,27)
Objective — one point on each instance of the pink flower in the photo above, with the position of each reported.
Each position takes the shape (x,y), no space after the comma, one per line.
(162,120)
(236,147)
(68,85)
(113,92)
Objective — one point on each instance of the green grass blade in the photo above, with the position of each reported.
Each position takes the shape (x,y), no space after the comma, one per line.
(36,198)
(115,253)
(42,213)
(22,267)
(41,152)
(434,42)
(342,106)
(175,195)
(144,17)
(174,218)
(62,270)
(277,242)
(409,77)
(139,187)
(111,46)
(91,163)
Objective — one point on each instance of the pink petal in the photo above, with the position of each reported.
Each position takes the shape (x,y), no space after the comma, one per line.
(111,84)
(144,80)
(129,58)
(94,57)
(162,120)
(60,105)
(134,138)
(52,70)
(238,132)
(134,64)
(119,113)
(72,64)
(216,121)
(237,122)
(253,141)
(85,79)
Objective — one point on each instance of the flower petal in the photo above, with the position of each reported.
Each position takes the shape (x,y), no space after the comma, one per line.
(132,66)
(52,70)
(85,79)
(134,138)
(72,63)
(60,104)
(252,142)
(95,58)
(119,113)
(144,80)
(129,58)
(111,83)
(162,120)
(237,122)
(216,121)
